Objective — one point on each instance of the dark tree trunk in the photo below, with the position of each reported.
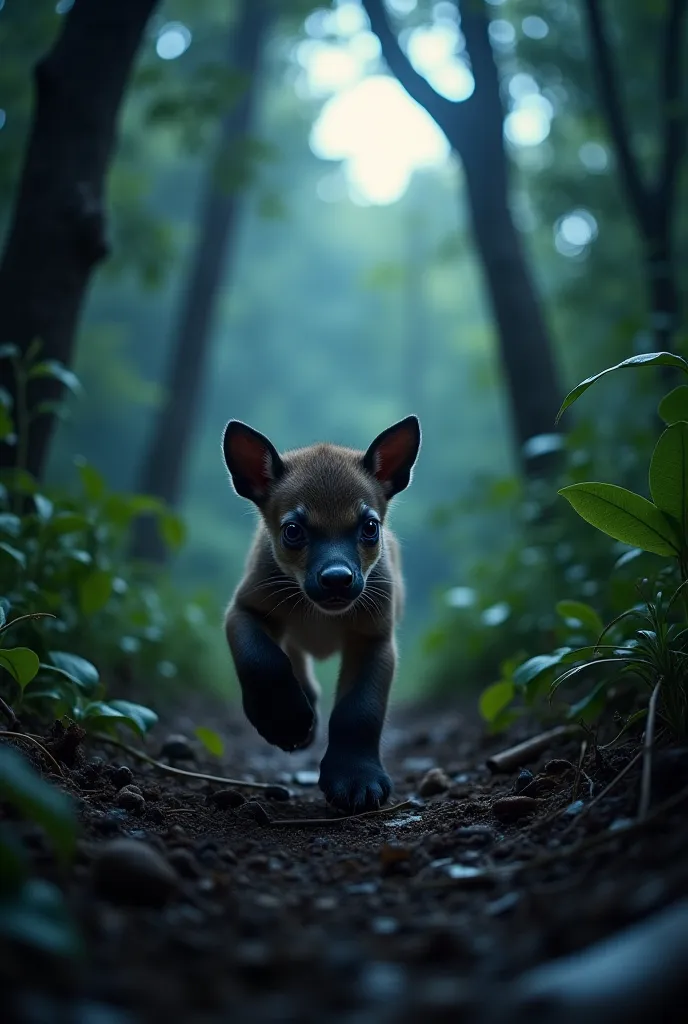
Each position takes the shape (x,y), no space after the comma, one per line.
(474,129)
(57,235)
(164,465)
(652,203)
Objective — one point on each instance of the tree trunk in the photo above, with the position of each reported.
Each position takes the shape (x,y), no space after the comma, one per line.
(474,129)
(164,465)
(57,235)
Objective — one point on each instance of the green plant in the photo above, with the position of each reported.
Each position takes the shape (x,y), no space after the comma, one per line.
(657,652)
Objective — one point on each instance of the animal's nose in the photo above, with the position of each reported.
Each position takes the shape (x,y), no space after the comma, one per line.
(335,578)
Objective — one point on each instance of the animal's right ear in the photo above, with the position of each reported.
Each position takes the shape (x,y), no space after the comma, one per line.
(253,462)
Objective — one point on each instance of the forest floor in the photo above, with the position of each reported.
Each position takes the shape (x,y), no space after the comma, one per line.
(202,903)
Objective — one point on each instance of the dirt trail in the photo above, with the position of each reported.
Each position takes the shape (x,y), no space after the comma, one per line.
(416,915)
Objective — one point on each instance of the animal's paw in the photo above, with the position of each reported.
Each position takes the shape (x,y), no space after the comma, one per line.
(354,783)
(287,721)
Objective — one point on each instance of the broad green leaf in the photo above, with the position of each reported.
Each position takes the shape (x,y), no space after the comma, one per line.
(91,480)
(57,371)
(37,918)
(68,522)
(172,530)
(669,473)
(104,715)
(17,556)
(210,740)
(504,718)
(495,698)
(95,591)
(18,481)
(80,671)
(623,515)
(674,406)
(577,613)
(10,524)
(44,507)
(536,667)
(644,359)
(591,706)
(21,663)
(37,800)
(144,717)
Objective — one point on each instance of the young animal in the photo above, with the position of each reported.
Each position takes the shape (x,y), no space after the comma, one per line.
(323,575)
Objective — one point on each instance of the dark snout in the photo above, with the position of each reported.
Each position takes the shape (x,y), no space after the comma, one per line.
(334,585)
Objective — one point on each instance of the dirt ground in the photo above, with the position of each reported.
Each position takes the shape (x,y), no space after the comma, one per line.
(202,902)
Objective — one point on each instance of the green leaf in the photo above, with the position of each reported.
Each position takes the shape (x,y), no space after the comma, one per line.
(44,507)
(80,671)
(18,481)
(9,352)
(669,473)
(38,801)
(536,667)
(172,530)
(571,672)
(37,918)
(10,524)
(674,406)
(21,663)
(95,591)
(144,717)
(91,480)
(495,698)
(623,515)
(577,613)
(644,359)
(591,706)
(210,740)
(17,556)
(57,371)
(504,718)
(3,615)
(68,522)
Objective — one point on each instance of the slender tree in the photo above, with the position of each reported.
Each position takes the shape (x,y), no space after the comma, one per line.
(164,463)
(652,203)
(474,129)
(57,234)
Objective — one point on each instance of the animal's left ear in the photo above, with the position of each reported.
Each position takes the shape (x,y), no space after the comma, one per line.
(392,454)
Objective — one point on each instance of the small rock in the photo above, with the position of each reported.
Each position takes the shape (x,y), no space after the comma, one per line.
(227,799)
(131,799)
(306,777)
(524,781)
(122,776)
(575,808)
(557,766)
(130,872)
(177,748)
(277,793)
(511,808)
(252,809)
(183,861)
(433,782)
(384,925)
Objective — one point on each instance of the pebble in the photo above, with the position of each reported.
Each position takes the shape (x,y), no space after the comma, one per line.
(227,799)
(434,782)
(130,872)
(511,808)
(177,748)
(524,781)
(122,776)
(252,809)
(575,808)
(557,766)
(131,799)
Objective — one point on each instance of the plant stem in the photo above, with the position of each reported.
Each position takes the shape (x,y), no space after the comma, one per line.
(646,783)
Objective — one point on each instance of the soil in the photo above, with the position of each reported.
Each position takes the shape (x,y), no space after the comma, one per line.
(204,902)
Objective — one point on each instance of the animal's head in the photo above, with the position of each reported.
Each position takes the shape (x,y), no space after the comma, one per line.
(324,506)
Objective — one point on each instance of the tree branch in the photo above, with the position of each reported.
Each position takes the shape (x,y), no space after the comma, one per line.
(628,166)
(442,110)
(675,122)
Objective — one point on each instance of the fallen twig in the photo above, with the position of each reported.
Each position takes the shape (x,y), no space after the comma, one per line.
(646,781)
(404,805)
(142,756)
(522,753)
(4,734)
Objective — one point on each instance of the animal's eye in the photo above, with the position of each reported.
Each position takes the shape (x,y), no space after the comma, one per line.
(293,535)
(370,531)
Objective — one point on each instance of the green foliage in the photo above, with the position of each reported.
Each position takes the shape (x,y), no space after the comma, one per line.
(656,654)
(210,740)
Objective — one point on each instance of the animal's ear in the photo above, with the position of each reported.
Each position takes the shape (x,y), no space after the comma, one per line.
(253,462)
(392,454)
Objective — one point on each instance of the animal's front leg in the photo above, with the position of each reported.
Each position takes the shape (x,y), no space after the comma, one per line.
(273,699)
(351,773)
